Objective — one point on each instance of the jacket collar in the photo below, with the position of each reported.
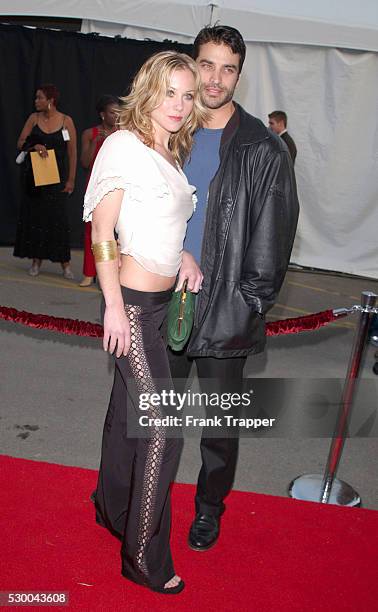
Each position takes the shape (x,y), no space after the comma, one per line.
(246,128)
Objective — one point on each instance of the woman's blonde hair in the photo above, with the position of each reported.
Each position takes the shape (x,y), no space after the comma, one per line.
(148,90)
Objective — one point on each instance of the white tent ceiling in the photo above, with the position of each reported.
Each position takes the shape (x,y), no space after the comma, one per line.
(335,23)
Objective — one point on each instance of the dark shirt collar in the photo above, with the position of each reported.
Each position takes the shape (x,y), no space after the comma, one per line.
(246,128)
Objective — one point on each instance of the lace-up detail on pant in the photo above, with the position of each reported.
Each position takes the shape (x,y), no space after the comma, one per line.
(156,443)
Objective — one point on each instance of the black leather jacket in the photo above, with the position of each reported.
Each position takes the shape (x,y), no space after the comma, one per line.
(250,226)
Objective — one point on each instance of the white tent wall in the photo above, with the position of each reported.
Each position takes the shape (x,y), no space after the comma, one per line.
(330,96)
(301,62)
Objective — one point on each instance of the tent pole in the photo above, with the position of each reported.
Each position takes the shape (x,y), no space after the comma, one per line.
(212,7)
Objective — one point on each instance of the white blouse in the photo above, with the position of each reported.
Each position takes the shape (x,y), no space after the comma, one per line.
(156,206)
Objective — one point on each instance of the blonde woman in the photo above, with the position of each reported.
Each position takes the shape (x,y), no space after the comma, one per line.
(137,188)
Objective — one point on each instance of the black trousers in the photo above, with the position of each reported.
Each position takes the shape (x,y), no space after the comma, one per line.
(133,491)
(219,454)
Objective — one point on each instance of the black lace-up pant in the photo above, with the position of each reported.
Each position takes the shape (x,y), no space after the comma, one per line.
(133,492)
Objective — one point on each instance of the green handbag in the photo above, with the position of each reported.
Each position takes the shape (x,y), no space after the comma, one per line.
(180,318)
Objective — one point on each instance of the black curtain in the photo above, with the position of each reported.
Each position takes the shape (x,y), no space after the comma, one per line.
(82,66)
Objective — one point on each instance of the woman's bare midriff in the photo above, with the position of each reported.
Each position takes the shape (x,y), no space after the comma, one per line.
(134,276)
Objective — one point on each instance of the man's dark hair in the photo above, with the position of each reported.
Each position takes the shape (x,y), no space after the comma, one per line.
(104,101)
(279,116)
(221,34)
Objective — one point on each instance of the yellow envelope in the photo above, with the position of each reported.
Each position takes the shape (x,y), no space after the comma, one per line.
(45,169)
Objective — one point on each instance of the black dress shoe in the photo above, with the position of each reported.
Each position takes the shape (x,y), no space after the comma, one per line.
(204,532)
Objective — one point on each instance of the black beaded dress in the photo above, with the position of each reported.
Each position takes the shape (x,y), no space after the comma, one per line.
(42,228)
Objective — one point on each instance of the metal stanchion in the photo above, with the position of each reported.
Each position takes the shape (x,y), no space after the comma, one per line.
(327,488)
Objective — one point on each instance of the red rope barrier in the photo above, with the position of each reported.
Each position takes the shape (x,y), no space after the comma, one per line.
(94,330)
(72,327)
(300,324)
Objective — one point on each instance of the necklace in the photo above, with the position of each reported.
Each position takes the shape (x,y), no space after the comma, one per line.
(48,118)
(107,132)
(166,153)
(157,144)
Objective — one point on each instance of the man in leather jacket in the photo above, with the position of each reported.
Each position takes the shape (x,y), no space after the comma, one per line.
(241,235)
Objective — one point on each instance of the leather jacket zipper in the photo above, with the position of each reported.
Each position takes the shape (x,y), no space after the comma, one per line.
(198,300)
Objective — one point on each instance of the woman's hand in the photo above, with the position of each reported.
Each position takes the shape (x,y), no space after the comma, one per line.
(189,270)
(69,187)
(116,331)
(41,149)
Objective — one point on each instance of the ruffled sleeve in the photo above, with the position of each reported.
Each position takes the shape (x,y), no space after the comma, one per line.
(117,166)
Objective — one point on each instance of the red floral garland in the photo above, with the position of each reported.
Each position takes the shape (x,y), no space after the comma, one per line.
(94,330)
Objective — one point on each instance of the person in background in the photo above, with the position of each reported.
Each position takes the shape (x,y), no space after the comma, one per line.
(42,228)
(92,138)
(278,123)
(138,187)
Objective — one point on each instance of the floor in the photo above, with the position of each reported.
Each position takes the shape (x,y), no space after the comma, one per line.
(55,388)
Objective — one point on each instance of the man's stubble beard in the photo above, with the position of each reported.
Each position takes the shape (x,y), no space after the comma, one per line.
(214,103)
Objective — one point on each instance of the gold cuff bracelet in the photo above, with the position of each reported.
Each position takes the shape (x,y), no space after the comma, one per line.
(105,251)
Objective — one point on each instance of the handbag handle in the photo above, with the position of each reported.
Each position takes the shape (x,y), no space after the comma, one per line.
(182,304)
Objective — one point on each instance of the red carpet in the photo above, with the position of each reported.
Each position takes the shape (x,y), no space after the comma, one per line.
(275,554)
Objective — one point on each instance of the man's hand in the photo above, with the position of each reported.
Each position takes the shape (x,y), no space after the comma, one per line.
(116,331)
(189,270)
